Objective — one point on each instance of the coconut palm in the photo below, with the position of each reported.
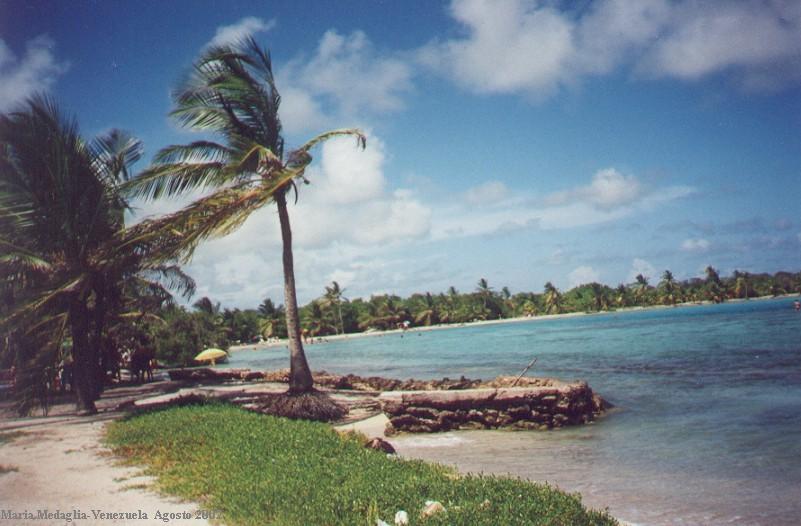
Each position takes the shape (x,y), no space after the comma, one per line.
(669,288)
(333,298)
(428,313)
(714,287)
(484,291)
(61,212)
(622,295)
(553,299)
(317,323)
(232,94)
(599,299)
(641,290)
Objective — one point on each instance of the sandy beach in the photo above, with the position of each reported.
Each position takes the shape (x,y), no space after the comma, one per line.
(58,464)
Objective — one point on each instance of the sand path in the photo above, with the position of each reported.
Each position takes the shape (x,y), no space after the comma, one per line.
(59,464)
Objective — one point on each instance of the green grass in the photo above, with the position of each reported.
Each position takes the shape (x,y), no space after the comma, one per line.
(261,470)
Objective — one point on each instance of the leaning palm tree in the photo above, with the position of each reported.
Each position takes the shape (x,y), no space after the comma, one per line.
(231,93)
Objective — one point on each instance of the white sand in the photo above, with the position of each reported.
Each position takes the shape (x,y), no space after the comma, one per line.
(61,466)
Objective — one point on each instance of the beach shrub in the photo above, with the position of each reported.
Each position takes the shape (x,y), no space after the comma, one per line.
(259,469)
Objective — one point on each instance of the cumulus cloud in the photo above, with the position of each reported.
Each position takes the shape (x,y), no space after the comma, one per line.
(583,275)
(486,193)
(346,76)
(695,245)
(608,189)
(511,46)
(608,196)
(36,70)
(531,48)
(756,38)
(248,26)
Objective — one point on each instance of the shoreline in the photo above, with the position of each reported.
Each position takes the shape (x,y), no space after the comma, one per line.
(284,342)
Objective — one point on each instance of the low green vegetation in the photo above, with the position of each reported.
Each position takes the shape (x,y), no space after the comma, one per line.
(260,470)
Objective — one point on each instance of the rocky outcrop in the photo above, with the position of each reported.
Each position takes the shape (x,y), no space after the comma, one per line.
(540,404)
(210,375)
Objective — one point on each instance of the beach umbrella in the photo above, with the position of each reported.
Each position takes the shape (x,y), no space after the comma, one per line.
(211,355)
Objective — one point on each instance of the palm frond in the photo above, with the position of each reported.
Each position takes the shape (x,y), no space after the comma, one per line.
(177,235)
(301,156)
(12,255)
(176,178)
(113,155)
(171,277)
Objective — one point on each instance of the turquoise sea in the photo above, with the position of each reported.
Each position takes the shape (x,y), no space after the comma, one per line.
(707,424)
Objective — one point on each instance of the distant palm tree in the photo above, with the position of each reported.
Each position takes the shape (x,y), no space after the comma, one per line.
(599,298)
(231,92)
(553,299)
(669,288)
(714,287)
(333,298)
(622,295)
(484,291)
(317,323)
(528,308)
(642,288)
(428,313)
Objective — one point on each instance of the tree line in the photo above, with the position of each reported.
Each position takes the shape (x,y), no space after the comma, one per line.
(333,313)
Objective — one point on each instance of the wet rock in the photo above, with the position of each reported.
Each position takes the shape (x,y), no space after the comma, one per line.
(380,444)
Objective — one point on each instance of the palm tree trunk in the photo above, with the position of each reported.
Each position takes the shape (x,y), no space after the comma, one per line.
(84,360)
(300,377)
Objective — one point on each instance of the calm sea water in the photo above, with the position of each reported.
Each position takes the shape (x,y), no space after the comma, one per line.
(707,428)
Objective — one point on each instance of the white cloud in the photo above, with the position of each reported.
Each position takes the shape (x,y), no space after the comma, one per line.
(641,266)
(351,175)
(695,245)
(582,275)
(529,47)
(512,46)
(608,189)
(300,111)
(35,71)
(609,196)
(347,77)
(487,193)
(749,36)
(248,26)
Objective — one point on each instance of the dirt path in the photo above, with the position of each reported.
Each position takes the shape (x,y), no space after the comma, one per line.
(58,464)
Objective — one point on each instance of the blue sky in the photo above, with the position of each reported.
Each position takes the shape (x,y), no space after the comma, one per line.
(514,140)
